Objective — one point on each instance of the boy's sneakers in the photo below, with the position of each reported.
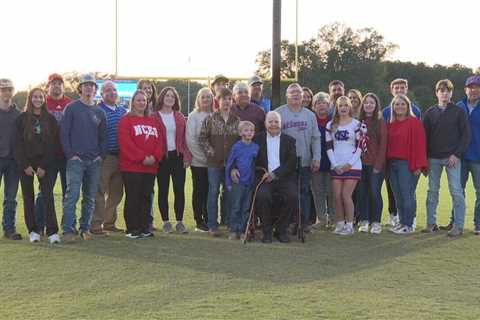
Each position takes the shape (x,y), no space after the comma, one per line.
(201,227)
(167,227)
(346,231)
(180,227)
(430,228)
(363,226)
(34,237)
(455,232)
(403,230)
(54,238)
(13,235)
(376,228)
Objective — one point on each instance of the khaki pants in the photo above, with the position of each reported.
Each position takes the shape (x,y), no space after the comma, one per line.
(109,196)
(323,196)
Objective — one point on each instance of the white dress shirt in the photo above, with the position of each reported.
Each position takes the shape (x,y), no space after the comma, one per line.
(273,152)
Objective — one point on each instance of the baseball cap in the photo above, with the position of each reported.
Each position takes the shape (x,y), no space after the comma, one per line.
(219,77)
(255,79)
(473,80)
(55,76)
(6,83)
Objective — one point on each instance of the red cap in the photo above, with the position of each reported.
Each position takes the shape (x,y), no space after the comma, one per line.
(54,76)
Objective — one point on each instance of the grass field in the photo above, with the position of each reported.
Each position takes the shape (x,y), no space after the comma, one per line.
(195,277)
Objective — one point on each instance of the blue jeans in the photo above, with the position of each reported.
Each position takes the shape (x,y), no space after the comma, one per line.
(305,197)
(370,200)
(9,171)
(57,166)
(84,174)
(404,185)
(454,185)
(240,198)
(216,177)
(473,167)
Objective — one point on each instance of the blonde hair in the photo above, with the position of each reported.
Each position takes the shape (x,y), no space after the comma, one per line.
(245,124)
(336,115)
(199,95)
(403,97)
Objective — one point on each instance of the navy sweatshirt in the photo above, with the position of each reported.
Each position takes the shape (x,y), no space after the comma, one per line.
(83,131)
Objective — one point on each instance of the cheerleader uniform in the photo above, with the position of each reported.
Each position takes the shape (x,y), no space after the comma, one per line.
(343,147)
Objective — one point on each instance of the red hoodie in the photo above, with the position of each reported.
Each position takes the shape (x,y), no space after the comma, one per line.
(139,137)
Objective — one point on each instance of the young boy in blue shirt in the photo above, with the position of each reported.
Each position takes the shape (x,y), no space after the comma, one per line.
(240,177)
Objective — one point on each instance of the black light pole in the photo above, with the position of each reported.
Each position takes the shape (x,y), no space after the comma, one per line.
(276,40)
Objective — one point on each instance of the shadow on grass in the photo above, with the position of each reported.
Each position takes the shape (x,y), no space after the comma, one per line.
(323,256)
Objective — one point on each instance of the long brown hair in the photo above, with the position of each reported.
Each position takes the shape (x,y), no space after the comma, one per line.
(28,125)
(336,115)
(153,99)
(376,115)
(161,97)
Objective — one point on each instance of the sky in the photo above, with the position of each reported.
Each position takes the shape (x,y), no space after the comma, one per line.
(203,38)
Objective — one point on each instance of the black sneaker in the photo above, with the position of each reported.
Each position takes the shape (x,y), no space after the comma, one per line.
(147,234)
(202,227)
(283,237)
(267,238)
(134,235)
(13,235)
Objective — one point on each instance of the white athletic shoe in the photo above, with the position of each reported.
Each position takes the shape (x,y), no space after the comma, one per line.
(363,226)
(54,238)
(347,231)
(376,228)
(339,228)
(403,230)
(394,220)
(34,237)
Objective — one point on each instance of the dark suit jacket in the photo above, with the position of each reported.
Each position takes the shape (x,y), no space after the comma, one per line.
(288,156)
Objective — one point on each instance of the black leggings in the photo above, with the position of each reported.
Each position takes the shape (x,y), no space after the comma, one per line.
(200,194)
(172,165)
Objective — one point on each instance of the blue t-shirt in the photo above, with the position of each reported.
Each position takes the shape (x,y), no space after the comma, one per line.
(242,157)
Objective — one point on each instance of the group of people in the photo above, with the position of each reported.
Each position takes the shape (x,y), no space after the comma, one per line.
(318,161)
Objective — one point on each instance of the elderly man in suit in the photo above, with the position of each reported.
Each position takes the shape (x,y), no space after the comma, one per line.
(277,155)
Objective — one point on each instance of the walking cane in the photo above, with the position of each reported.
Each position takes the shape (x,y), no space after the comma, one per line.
(300,233)
(252,207)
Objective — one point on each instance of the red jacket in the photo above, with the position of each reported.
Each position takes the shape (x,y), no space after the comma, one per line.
(180,138)
(139,137)
(407,141)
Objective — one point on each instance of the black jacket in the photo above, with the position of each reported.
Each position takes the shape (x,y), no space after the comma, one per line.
(288,156)
(39,151)
(447,131)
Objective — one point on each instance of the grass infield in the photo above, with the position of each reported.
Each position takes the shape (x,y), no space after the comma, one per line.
(194,276)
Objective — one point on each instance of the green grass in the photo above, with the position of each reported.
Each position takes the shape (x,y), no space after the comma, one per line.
(196,277)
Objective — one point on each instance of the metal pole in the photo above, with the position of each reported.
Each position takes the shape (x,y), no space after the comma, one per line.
(116,38)
(276,51)
(296,40)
